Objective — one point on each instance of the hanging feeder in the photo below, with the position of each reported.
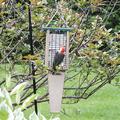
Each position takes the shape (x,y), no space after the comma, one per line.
(55,39)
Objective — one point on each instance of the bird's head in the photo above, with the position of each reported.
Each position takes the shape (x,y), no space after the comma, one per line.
(62,50)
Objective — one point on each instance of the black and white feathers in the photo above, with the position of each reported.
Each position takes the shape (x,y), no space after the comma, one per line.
(58,59)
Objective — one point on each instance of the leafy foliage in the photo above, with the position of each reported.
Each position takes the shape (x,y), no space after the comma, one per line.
(8,113)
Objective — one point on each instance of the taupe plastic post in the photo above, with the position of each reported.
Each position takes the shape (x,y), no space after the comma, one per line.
(56,84)
(67,51)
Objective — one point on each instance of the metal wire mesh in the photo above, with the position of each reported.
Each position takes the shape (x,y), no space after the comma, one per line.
(57,39)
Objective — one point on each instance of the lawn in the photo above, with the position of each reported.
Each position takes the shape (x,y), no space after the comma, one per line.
(104,105)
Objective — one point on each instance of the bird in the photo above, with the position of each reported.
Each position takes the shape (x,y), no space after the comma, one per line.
(58,58)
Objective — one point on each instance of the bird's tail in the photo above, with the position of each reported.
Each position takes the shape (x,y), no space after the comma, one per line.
(54,69)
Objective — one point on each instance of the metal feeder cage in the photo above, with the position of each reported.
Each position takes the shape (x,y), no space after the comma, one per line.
(55,39)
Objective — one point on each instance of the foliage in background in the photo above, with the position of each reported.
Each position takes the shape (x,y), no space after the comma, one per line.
(94,45)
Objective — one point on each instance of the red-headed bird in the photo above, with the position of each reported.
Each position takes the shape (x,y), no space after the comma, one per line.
(58,58)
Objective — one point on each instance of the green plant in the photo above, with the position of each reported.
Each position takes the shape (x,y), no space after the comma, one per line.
(9,112)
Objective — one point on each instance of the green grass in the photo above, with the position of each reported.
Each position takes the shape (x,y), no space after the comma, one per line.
(18,69)
(104,105)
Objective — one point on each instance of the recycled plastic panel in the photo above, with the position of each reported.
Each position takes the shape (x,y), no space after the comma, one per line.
(56,84)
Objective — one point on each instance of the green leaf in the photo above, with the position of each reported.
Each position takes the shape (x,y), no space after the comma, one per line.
(5,112)
(8,80)
(7,98)
(18,114)
(19,88)
(28,101)
(18,98)
(33,116)
(42,117)
(44,2)
(1,94)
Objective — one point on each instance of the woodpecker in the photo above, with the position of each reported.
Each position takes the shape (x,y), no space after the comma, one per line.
(58,58)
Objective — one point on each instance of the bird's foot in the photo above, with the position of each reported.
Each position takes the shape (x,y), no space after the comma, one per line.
(56,73)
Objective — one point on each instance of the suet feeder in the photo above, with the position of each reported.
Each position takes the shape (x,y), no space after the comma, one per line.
(55,39)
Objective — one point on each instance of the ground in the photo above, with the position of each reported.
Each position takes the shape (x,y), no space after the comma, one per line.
(104,105)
